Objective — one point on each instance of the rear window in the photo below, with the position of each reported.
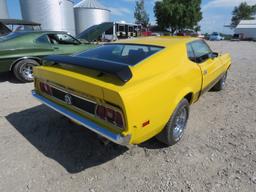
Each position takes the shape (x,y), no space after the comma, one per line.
(129,54)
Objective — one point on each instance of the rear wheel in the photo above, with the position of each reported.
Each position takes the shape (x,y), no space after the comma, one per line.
(176,125)
(220,85)
(23,70)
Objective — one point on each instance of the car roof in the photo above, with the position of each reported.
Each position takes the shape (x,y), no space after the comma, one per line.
(30,34)
(163,41)
(18,22)
(40,32)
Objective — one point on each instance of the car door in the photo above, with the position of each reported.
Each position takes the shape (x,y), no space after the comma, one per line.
(42,46)
(209,63)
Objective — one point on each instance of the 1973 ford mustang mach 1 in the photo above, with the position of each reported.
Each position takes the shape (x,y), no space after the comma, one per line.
(132,90)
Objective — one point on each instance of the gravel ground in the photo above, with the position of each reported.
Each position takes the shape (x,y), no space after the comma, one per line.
(41,151)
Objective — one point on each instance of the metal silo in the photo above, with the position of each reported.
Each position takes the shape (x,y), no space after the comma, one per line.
(89,13)
(3,9)
(55,15)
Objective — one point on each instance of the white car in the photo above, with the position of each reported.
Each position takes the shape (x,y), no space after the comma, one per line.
(216,37)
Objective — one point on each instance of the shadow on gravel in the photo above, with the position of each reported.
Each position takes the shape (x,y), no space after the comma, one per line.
(73,146)
(152,144)
(7,76)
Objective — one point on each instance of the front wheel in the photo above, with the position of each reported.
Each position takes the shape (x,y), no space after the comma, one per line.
(174,129)
(23,70)
(220,85)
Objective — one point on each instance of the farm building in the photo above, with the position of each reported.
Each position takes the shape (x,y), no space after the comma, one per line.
(246,29)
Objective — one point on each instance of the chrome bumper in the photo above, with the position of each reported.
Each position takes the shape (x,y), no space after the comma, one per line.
(116,138)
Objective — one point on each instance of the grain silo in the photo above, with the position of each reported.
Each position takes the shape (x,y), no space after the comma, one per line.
(89,13)
(55,15)
(3,9)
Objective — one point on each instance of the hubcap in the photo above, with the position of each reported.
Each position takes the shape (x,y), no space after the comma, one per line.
(223,80)
(27,71)
(180,123)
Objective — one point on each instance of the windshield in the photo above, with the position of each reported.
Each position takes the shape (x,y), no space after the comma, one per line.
(129,54)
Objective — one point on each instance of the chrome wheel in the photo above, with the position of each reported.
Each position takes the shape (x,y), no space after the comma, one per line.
(175,127)
(223,81)
(27,71)
(180,123)
(23,70)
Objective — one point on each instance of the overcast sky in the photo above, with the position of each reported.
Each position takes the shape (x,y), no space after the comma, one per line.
(216,13)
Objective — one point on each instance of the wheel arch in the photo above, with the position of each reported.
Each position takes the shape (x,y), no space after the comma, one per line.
(38,59)
(186,93)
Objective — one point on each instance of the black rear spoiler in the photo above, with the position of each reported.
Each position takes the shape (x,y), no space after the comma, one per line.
(121,70)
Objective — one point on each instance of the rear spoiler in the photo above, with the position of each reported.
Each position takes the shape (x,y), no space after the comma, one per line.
(121,70)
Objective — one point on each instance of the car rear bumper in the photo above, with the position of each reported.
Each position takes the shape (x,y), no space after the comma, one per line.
(116,138)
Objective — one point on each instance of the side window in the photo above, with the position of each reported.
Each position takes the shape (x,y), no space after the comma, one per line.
(63,39)
(43,39)
(201,50)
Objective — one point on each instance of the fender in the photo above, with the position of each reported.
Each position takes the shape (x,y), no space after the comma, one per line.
(23,58)
(182,94)
(174,103)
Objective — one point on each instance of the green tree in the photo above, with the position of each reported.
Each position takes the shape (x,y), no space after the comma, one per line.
(140,14)
(242,12)
(178,14)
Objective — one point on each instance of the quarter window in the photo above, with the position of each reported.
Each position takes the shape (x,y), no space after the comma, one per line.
(43,39)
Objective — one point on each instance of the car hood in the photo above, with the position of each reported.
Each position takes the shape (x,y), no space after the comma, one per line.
(92,33)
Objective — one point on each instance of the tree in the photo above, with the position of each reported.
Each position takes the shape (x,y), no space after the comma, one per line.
(140,14)
(242,12)
(178,14)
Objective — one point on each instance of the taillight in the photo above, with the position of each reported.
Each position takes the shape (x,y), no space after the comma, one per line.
(100,112)
(45,88)
(110,115)
(119,119)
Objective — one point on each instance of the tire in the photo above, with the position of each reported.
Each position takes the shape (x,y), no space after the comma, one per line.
(171,133)
(23,70)
(220,85)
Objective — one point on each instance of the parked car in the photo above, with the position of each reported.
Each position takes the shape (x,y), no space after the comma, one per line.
(21,51)
(216,37)
(11,25)
(200,35)
(186,32)
(132,90)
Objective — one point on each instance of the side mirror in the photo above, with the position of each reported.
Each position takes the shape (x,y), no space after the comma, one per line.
(213,55)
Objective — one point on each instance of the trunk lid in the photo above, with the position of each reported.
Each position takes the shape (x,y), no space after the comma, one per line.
(85,82)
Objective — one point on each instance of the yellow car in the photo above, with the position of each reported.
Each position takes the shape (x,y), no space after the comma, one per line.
(132,90)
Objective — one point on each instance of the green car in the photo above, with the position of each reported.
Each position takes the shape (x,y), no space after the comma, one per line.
(21,51)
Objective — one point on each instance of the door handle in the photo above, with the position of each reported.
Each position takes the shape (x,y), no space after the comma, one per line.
(56,48)
(205,72)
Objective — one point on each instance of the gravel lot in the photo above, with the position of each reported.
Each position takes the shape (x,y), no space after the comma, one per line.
(41,151)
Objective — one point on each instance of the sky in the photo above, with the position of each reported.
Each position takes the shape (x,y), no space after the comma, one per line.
(216,13)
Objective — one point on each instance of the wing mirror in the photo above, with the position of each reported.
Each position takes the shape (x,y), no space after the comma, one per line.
(213,55)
